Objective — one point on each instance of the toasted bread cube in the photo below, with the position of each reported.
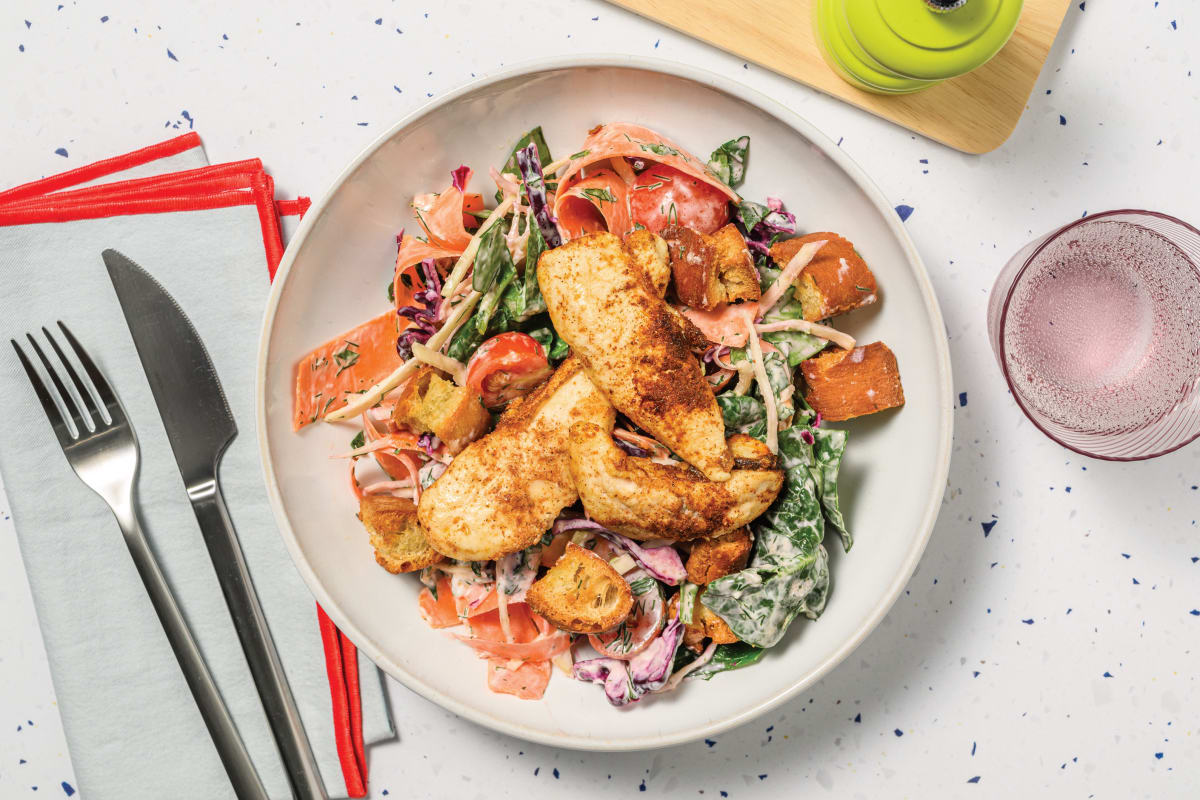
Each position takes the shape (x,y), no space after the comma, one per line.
(693,268)
(837,280)
(581,593)
(704,625)
(842,384)
(735,266)
(719,556)
(399,542)
(711,269)
(649,251)
(431,404)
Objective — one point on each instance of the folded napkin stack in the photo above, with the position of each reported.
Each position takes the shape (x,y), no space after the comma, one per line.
(211,235)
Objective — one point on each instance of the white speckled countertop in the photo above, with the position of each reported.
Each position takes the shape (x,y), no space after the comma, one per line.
(1049,643)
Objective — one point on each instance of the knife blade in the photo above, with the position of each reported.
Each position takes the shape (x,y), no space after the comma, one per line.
(200,426)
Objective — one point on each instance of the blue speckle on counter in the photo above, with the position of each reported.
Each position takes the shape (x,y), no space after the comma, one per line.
(102,19)
(21,48)
(1028,621)
(898,732)
(656,43)
(1062,120)
(762,777)
(1195,612)
(973,780)
(962,399)
(384,792)
(975,674)
(1068,489)
(904,212)
(987,526)
(363,124)
(1136,582)
(68,789)
(972,748)
(1106,674)
(1082,5)
(1125,555)
(28,24)
(62,151)
(191,122)
(536,770)
(858,718)
(1173,25)
(171,55)
(556,772)
(398,89)
(642,785)
(710,742)
(1158,755)
(724,793)
(379,21)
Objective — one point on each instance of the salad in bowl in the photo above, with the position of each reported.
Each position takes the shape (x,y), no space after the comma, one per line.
(593,412)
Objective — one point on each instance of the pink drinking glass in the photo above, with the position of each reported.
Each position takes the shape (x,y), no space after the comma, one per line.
(1096,327)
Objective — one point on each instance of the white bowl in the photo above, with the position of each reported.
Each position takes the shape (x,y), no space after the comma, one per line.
(334,275)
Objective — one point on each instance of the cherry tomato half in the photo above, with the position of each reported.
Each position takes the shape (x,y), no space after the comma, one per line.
(506,366)
(663,196)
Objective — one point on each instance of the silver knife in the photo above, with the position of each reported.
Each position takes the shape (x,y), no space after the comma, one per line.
(200,427)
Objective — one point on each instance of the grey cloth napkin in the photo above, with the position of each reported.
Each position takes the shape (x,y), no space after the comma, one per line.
(131,725)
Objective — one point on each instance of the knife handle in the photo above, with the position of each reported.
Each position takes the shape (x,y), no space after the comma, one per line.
(261,655)
(224,733)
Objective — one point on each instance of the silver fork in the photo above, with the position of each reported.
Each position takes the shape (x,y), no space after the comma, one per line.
(101,447)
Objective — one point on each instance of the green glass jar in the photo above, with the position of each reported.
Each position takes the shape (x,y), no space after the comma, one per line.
(903,46)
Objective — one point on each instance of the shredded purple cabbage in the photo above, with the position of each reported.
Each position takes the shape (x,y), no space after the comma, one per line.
(663,562)
(425,318)
(562,525)
(535,193)
(807,437)
(458,178)
(816,423)
(632,449)
(628,681)
(428,442)
(777,221)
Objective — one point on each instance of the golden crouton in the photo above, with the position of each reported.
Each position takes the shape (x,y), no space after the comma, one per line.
(705,625)
(649,251)
(719,556)
(399,542)
(581,593)
(735,267)
(842,384)
(837,280)
(431,404)
(710,270)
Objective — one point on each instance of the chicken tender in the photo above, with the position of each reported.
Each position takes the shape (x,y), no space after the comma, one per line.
(501,494)
(604,305)
(644,500)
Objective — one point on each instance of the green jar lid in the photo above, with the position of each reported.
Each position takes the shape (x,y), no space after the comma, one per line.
(908,38)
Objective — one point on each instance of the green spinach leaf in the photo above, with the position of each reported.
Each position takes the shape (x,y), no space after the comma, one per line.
(727,657)
(788,573)
(492,258)
(728,162)
(743,414)
(829,448)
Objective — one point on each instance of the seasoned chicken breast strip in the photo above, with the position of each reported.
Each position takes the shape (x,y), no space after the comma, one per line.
(605,306)
(645,500)
(503,491)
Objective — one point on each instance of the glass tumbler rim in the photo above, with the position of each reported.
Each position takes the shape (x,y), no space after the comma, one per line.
(1002,321)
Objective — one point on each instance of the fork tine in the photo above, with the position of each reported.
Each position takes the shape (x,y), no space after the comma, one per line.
(113,406)
(85,396)
(78,417)
(57,420)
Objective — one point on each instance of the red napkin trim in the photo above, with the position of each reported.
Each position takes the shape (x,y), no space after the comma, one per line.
(341,664)
(216,186)
(99,169)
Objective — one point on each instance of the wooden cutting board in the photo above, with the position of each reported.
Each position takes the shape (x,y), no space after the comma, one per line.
(974,113)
